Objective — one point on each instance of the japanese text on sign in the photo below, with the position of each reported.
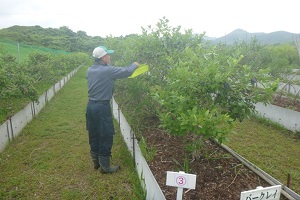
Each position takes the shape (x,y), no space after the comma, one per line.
(268,193)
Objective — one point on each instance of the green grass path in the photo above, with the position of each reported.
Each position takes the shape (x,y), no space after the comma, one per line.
(50,159)
(271,149)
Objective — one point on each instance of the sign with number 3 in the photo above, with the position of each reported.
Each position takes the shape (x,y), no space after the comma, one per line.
(181,179)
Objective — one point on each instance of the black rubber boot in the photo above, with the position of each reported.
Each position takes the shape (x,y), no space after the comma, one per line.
(95,160)
(105,165)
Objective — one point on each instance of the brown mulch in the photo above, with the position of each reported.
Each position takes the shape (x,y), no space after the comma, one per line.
(284,102)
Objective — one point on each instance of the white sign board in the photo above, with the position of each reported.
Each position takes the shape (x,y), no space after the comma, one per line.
(181,179)
(260,193)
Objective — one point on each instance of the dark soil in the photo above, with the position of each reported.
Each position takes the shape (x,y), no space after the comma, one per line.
(219,175)
(290,103)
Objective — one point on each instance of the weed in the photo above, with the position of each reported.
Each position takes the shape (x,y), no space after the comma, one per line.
(148,152)
(183,167)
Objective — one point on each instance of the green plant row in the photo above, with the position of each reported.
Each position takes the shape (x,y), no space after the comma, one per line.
(196,89)
(25,81)
(193,87)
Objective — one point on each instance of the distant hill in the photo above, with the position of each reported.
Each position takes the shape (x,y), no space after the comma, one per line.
(240,35)
(61,38)
(65,39)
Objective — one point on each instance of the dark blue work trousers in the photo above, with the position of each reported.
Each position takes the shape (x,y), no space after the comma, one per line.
(99,123)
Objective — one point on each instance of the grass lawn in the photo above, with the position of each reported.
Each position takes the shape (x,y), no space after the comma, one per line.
(273,149)
(50,159)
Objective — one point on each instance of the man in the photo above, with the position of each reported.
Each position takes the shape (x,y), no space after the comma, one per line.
(99,121)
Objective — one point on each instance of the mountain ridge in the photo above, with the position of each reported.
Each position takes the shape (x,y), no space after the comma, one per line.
(239,35)
(51,37)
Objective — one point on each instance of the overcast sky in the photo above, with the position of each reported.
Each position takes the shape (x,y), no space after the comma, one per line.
(123,17)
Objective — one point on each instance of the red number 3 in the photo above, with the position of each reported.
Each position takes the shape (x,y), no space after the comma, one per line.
(180,180)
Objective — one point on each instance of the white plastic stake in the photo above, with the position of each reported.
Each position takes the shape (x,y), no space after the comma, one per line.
(179,193)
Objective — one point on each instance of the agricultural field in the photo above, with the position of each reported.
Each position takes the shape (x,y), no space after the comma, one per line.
(38,69)
(194,93)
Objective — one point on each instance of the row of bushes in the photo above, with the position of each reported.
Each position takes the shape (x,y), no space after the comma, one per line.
(193,87)
(24,82)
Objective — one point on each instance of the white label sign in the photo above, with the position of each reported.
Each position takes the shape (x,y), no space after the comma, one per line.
(267,193)
(181,179)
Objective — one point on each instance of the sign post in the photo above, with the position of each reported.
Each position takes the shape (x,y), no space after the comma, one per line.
(181,180)
(261,193)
